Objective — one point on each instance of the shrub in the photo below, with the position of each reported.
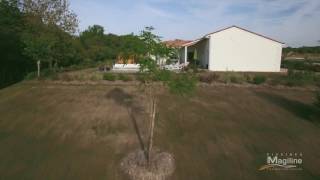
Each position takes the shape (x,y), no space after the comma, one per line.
(259,79)
(292,64)
(192,68)
(235,79)
(55,77)
(163,75)
(44,74)
(299,78)
(308,65)
(232,77)
(31,76)
(247,77)
(183,84)
(124,77)
(47,73)
(142,77)
(209,78)
(66,77)
(109,77)
(95,77)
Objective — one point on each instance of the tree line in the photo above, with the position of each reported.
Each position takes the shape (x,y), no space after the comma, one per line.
(46,31)
(303,50)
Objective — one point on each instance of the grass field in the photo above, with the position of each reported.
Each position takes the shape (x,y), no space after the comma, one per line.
(51,131)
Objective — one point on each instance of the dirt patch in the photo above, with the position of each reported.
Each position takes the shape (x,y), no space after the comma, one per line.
(137,167)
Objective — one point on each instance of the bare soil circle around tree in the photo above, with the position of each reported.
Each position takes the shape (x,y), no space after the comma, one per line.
(160,167)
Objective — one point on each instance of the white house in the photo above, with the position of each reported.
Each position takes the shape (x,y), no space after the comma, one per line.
(234,49)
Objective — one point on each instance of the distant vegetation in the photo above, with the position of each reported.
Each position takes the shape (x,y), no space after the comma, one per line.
(30,33)
(293,78)
(308,65)
(303,50)
(32,30)
(303,58)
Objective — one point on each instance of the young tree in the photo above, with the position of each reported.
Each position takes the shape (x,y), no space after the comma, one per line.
(149,70)
(150,163)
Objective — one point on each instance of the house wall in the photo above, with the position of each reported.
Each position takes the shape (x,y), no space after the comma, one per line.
(238,50)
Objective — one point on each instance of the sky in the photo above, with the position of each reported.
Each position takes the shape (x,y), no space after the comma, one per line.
(294,22)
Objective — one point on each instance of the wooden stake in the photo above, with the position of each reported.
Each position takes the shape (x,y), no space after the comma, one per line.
(39,63)
(152,121)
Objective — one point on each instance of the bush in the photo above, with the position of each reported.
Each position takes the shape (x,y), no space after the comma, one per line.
(163,75)
(109,77)
(66,77)
(235,79)
(292,64)
(95,77)
(209,78)
(301,65)
(44,74)
(47,73)
(247,77)
(31,76)
(192,68)
(259,79)
(124,77)
(232,77)
(299,78)
(55,77)
(183,84)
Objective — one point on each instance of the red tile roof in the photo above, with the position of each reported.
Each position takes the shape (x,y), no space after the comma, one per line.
(177,43)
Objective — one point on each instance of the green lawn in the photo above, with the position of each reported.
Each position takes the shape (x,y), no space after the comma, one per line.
(50,131)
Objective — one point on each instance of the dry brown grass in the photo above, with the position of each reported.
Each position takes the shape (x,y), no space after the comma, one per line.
(55,131)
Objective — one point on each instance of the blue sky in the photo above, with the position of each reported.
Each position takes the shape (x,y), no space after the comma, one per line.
(295,22)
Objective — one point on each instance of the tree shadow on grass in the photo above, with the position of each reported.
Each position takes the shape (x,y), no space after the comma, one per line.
(305,111)
(126,100)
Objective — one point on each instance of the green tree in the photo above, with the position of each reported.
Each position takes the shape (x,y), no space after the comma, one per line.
(52,12)
(98,46)
(13,64)
(93,43)
(47,36)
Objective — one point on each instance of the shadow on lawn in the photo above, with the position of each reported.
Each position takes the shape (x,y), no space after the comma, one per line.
(302,110)
(126,100)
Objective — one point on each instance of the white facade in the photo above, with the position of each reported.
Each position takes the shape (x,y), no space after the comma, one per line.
(236,49)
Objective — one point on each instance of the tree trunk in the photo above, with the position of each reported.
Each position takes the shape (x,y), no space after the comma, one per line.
(152,122)
(38,66)
(55,66)
(50,64)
